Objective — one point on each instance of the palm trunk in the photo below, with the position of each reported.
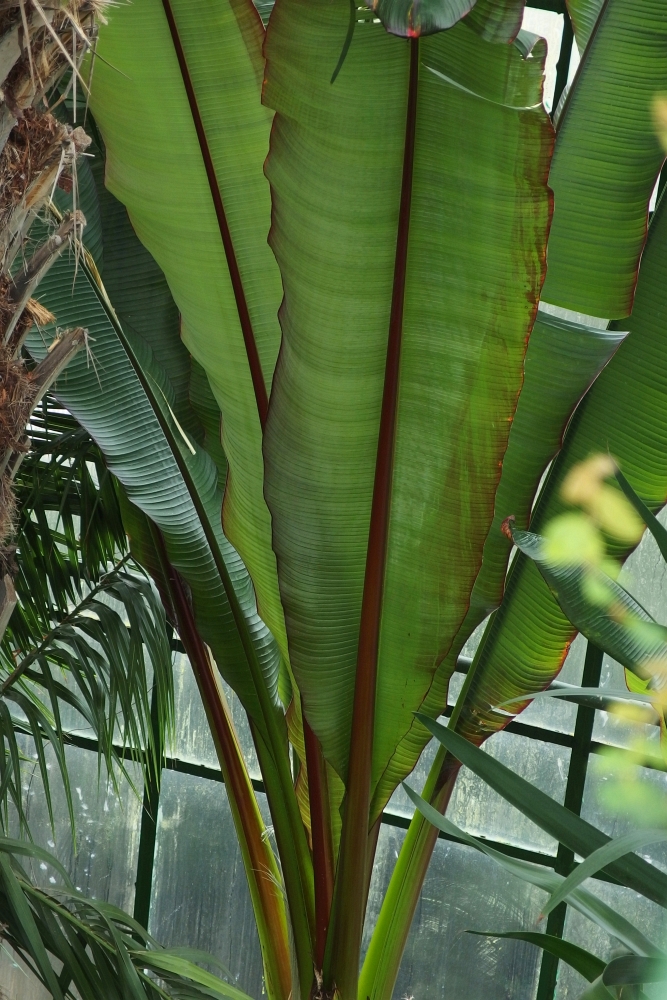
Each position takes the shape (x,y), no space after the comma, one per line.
(40,42)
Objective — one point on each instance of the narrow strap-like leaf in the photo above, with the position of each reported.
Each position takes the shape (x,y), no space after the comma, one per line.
(632,969)
(550,816)
(587,965)
(585,902)
(27,926)
(600,858)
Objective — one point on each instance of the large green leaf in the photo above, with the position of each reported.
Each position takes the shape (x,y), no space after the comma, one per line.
(624,412)
(164,473)
(497,20)
(144,305)
(176,484)
(193,185)
(584,14)
(606,162)
(142,300)
(562,360)
(478,195)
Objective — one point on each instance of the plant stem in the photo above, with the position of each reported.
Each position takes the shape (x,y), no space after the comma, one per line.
(295,860)
(383,959)
(262,871)
(320,821)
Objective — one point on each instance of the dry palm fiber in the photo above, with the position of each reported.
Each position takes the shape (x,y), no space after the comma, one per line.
(40,42)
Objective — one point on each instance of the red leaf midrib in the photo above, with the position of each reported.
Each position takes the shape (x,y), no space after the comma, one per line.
(354,852)
(252,353)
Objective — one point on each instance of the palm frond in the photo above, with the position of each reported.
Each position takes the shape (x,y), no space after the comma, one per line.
(99,952)
(87,647)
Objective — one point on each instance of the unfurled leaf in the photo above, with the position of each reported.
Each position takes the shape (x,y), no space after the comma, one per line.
(321,441)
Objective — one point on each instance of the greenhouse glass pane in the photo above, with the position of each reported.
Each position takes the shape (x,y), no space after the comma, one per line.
(463,890)
(614,730)
(481,811)
(16,980)
(200,895)
(103,863)
(549,25)
(614,799)
(650,918)
(193,739)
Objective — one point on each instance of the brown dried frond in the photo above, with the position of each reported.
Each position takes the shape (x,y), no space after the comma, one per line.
(7,524)
(6,306)
(21,327)
(17,393)
(10,14)
(38,313)
(35,141)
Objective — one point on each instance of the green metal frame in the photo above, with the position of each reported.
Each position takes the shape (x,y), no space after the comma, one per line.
(581,745)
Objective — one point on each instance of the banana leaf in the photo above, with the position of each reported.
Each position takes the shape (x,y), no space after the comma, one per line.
(412,18)
(335,241)
(173,481)
(193,185)
(170,478)
(562,359)
(497,20)
(606,162)
(628,634)
(624,413)
(584,15)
